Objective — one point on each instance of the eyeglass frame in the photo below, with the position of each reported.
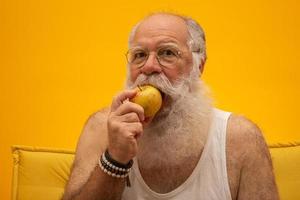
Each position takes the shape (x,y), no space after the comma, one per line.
(178,55)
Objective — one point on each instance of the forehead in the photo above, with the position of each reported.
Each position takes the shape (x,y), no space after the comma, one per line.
(161,28)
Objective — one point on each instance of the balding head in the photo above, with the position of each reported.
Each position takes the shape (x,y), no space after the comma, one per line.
(153,24)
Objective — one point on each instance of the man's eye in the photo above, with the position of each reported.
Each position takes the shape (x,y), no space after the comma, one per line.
(167,53)
(139,55)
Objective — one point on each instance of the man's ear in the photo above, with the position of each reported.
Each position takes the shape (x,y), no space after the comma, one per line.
(201,66)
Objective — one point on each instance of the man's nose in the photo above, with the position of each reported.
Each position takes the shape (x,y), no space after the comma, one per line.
(151,66)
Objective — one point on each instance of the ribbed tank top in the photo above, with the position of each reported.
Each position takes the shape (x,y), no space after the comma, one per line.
(209,179)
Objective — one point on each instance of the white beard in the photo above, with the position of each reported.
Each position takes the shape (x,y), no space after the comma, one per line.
(179,131)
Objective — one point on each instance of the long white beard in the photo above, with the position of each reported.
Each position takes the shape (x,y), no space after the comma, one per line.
(179,131)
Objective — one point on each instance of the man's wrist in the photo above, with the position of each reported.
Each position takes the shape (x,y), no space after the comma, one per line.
(110,159)
(117,156)
(115,169)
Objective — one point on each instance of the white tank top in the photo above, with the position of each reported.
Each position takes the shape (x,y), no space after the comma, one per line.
(209,179)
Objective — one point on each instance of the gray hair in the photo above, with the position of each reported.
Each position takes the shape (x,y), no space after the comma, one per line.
(195,42)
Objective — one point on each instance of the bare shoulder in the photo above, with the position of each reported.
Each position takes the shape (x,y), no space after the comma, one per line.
(243,133)
(239,124)
(91,143)
(245,141)
(93,138)
(94,133)
(249,160)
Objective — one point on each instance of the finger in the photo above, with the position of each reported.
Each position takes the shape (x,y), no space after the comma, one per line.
(121,97)
(130,117)
(136,128)
(128,107)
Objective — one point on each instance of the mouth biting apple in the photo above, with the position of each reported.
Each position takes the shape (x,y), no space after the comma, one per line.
(149,98)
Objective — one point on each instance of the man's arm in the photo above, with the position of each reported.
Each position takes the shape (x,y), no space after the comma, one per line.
(87,181)
(256,178)
(117,130)
(99,186)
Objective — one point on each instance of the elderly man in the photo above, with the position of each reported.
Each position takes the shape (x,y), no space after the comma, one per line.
(188,150)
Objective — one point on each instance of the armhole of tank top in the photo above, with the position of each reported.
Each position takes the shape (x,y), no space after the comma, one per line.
(225,117)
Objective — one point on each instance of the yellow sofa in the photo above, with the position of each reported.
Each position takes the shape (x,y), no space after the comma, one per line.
(41,173)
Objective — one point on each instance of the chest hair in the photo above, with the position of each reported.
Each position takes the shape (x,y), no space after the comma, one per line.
(164,179)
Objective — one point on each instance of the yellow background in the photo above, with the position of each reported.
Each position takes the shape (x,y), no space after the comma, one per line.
(60,61)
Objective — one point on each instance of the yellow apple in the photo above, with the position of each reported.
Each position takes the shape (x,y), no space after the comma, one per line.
(149,98)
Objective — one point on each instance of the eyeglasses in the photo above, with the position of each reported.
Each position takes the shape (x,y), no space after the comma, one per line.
(166,56)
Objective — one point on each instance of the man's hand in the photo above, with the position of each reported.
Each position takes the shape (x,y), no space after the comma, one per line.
(124,126)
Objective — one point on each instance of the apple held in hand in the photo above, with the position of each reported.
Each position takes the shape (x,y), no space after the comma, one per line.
(149,98)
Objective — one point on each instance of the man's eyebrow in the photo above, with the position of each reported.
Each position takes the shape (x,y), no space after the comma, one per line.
(173,44)
(137,47)
(160,44)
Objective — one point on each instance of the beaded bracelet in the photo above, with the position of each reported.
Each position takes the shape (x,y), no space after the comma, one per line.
(110,171)
(116,163)
(113,168)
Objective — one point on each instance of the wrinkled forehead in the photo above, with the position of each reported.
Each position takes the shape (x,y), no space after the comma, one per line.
(162,26)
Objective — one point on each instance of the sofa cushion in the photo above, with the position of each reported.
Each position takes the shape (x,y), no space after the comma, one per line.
(286,162)
(41,173)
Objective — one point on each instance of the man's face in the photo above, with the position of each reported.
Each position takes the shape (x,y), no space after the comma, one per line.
(162,32)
